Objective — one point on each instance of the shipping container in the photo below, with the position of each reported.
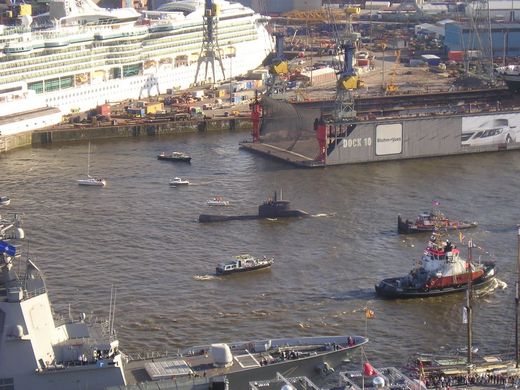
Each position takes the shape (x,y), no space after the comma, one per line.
(456,55)
(104,109)
(198,94)
(154,108)
(414,62)
(431,60)
(376,5)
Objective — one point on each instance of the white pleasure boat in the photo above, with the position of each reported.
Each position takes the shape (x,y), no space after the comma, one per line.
(177,181)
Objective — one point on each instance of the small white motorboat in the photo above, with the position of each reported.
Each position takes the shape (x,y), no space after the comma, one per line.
(218,201)
(177,181)
(5,201)
(92,181)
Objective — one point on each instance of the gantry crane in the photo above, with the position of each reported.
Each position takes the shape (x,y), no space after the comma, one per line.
(210,50)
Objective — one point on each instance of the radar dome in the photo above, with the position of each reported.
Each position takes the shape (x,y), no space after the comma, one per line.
(221,355)
(379,382)
(16,331)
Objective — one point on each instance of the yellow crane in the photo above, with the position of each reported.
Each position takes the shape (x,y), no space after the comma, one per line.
(392,86)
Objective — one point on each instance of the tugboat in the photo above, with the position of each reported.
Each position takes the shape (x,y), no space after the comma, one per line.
(174,156)
(428,221)
(244,263)
(441,271)
(271,208)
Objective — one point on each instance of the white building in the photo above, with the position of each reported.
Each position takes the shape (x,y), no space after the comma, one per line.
(506,10)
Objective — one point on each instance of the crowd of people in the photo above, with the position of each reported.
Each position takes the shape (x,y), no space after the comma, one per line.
(491,380)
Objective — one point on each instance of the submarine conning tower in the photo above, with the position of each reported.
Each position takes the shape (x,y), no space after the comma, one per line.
(273,207)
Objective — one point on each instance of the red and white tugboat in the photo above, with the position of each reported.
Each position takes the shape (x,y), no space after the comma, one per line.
(441,270)
(429,221)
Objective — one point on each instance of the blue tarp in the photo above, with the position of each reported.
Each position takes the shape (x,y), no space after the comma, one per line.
(7,248)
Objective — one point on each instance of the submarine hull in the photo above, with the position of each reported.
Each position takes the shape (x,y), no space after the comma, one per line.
(222,218)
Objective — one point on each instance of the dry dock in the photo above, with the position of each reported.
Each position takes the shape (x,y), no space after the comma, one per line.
(390,127)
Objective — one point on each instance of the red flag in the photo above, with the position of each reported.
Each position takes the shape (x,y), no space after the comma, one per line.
(368,370)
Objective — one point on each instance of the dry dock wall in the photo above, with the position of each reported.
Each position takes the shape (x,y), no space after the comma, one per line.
(425,137)
(62,133)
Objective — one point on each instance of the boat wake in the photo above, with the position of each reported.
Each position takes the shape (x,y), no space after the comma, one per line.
(323,215)
(495,285)
(204,277)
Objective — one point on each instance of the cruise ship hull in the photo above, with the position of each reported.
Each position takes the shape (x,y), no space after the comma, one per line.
(78,65)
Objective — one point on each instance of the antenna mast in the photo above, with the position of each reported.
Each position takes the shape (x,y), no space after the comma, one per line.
(517,298)
(469,299)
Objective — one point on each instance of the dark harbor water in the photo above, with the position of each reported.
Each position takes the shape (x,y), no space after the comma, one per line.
(142,236)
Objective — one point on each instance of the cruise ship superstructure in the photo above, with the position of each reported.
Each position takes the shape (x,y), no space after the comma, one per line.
(79,55)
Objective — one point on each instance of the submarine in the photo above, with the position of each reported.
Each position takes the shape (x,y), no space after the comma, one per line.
(271,208)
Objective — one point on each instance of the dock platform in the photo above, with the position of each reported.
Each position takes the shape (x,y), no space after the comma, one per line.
(296,158)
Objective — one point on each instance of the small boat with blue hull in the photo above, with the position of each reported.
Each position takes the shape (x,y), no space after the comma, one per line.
(244,263)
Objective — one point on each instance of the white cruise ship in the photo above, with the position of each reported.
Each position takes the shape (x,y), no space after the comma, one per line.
(79,55)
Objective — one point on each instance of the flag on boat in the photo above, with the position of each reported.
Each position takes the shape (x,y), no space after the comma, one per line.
(369,313)
(368,370)
(436,203)
(7,248)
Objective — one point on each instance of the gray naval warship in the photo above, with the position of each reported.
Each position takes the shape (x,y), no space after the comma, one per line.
(38,351)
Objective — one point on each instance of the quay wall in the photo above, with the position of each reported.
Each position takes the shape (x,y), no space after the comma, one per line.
(79,132)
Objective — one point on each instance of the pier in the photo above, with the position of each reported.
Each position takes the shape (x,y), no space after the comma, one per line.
(136,128)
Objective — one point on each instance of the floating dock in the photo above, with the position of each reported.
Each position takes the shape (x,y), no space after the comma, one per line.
(389,128)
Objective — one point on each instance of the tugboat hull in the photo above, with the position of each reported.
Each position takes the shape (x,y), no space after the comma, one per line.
(408,227)
(392,288)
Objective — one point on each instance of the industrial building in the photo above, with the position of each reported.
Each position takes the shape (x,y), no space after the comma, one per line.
(505,38)
(494,9)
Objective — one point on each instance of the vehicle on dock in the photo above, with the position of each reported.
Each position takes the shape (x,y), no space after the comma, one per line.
(177,181)
(4,201)
(244,263)
(427,222)
(174,156)
(442,270)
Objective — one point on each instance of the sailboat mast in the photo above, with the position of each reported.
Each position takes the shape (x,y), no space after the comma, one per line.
(469,299)
(517,298)
(88,160)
